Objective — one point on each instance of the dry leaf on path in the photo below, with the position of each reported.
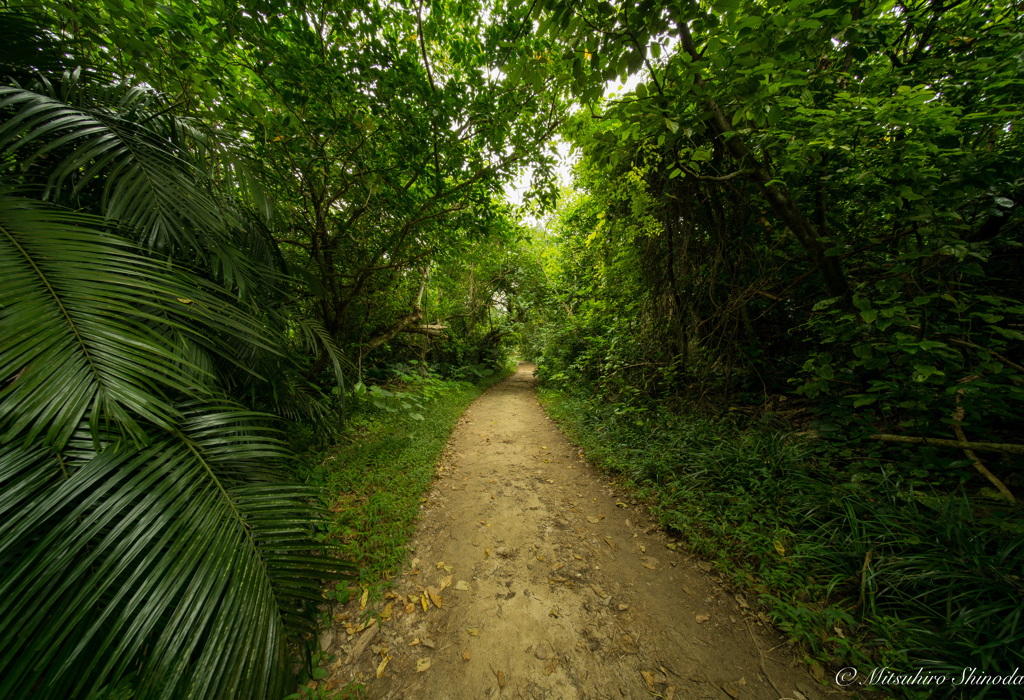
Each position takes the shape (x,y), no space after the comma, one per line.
(435,595)
(445,582)
(362,600)
(703,618)
(462,586)
(595,519)
(650,563)
(501,679)
(383,664)
(609,541)
(473,632)
(409,607)
(551,667)
(422,665)
(465,654)
(424,601)
(648,679)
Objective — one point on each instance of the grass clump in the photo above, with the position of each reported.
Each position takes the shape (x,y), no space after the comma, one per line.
(855,559)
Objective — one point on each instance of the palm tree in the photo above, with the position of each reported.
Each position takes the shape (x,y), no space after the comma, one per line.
(152,541)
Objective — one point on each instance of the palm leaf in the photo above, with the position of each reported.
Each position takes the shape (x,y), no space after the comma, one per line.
(119,147)
(87,327)
(181,566)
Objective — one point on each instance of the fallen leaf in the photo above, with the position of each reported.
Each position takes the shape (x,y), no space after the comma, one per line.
(390,595)
(409,607)
(383,664)
(648,679)
(429,643)
(465,654)
(550,481)
(643,550)
(435,595)
(501,679)
(703,618)
(650,563)
(556,567)
(388,611)
(670,546)
(779,548)
(553,612)
(595,519)
(422,665)
(473,632)
(742,601)
(440,565)
(414,642)
(577,556)
(423,600)
(609,541)
(462,586)
(551,667)
(731,689)
(362,600)
(620,504)
(445,582)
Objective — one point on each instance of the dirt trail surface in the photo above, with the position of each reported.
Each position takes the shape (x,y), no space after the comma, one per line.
(552,584)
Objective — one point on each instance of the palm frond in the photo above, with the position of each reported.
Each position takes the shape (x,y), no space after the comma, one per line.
(184,565)
(118,150)
(87,327)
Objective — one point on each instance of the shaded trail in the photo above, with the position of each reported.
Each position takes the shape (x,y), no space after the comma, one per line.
(559,587)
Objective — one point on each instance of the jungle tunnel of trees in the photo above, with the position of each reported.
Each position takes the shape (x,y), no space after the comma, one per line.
(790,258)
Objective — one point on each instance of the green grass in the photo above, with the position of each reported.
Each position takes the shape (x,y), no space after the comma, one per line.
(855,564)
(374,479)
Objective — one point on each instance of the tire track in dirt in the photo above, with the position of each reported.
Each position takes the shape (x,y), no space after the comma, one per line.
(558,588)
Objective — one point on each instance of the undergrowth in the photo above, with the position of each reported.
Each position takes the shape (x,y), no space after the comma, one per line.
(853,560)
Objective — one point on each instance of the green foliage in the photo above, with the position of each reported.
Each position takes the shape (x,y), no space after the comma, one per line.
(154,539)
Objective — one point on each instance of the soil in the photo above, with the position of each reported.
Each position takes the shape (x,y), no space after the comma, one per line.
(549,582)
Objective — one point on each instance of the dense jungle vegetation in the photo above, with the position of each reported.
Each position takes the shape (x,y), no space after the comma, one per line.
(255,255)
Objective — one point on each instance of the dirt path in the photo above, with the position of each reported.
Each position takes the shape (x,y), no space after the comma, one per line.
(555,585)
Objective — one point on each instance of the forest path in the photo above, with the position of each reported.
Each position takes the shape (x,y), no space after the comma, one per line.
(552,584)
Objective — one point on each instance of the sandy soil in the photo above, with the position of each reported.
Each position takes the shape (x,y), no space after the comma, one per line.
(552,584)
